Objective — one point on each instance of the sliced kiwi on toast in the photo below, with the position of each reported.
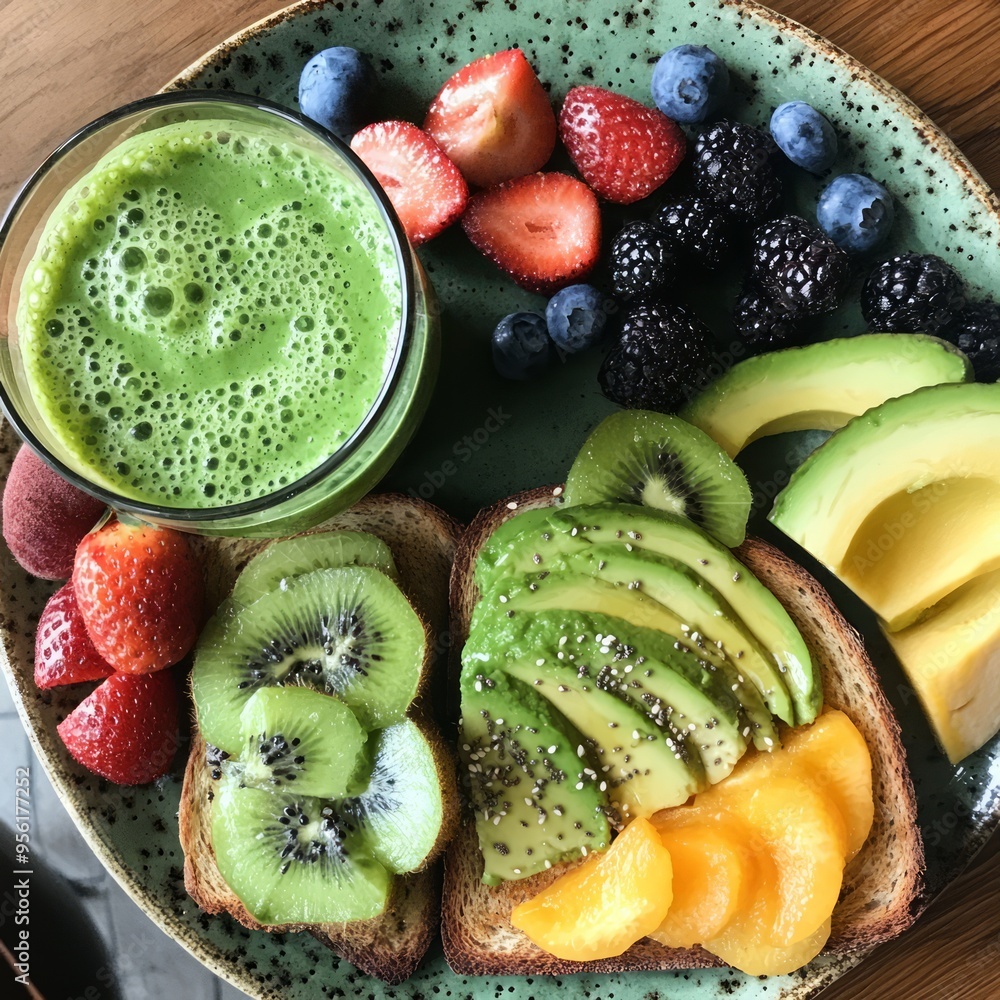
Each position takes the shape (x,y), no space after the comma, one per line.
(293,859)
(657,460)
(348,632)
(292,557)
(297,740)
(401,812)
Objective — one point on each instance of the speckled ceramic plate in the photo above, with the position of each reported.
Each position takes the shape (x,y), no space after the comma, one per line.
(486,438)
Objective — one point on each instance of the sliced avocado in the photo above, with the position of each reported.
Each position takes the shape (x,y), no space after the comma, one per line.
(642,768)
(820,386)
(603,580)
(534,806)
(530,540)
(681,694)
(901,503)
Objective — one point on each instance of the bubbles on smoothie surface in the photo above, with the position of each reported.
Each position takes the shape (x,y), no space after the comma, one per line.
(225,326)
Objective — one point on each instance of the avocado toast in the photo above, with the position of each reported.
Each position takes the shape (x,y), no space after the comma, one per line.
(881,888)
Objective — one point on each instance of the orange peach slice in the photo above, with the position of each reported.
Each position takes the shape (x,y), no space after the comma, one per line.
(602,907)
(834,755)
(712,875)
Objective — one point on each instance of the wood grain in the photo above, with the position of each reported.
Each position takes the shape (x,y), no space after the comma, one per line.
(63,62)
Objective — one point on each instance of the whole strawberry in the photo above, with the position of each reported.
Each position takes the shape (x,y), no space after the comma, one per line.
(64,652)
(622,149)
(126,729)
(141,594)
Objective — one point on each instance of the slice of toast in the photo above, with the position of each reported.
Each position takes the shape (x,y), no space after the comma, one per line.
(423,541)
(882,884)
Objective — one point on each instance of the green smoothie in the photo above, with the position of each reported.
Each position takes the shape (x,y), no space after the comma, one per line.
(211,312)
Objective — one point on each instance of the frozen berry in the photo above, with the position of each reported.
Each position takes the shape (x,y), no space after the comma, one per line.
(855,212)
(804,135)
(735,165)
(663,358)
(695,228)
(44,517)
(976,330)
(763,324)
(690,82)
(576,317)
(336,89)
(641,262)
(912,293)
(799,266)
(64,651)
(521,345)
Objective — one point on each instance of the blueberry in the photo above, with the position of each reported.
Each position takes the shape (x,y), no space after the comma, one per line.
(576,317)
(855,212)
(690,82)
(805,136)
(336,90)
(521,345)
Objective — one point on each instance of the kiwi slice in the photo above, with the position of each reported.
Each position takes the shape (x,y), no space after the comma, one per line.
(292,859)
(348,632)
(401,811)
(298,740)
(656,460)
(304,553)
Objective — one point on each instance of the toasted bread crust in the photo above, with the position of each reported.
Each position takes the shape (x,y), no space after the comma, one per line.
(882,884)
(423,540)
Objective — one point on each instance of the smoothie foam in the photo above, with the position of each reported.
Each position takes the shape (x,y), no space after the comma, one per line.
(211,312)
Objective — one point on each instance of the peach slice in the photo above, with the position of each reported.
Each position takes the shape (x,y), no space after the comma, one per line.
(713,878)
(801,832)
(603,906)
(834,755)
(741,947)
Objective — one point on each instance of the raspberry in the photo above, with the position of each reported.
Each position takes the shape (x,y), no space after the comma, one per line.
(765,325)
(663,358)
(641,263)
(697,228)
(735,166)
(912,293)
(799,266)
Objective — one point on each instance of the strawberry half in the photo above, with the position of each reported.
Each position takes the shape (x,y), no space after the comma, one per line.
(426,189)
(622,149)
(126,729)
(544,230)
(493,118)
(141,595)
(64,652)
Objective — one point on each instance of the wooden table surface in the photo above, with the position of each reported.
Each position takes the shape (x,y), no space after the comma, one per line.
(63,62)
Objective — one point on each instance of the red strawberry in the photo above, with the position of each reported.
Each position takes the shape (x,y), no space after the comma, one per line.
(493,118)
(141,595)
(126,729)
(544,230)
(426,189)
(622,149)
(64,653)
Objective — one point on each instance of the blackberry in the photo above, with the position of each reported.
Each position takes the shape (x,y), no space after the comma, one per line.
(641,261)
(976,330)
(735,166)
(763,324)
(664,356)
(912,293)
(696,228)
(800,266)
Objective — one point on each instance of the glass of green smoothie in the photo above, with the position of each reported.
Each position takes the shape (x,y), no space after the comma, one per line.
(213,318)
